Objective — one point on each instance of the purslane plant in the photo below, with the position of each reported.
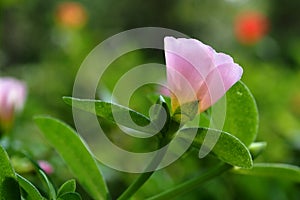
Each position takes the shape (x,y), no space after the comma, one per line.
(198,77)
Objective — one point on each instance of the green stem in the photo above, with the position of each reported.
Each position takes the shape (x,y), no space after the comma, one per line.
(135,185)
(165,138)
(192,183)
(139,182)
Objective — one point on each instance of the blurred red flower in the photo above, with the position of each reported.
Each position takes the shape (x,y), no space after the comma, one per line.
(71,15)
(250,27)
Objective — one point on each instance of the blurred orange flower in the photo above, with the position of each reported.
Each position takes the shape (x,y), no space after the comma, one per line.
(250,27)
(71,15)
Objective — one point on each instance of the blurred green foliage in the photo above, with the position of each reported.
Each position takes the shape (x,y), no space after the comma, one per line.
(36,48)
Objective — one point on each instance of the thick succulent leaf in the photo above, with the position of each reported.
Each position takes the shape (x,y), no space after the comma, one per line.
(30,189)
(49,184)
(76,155)
(70,196)
(109,111)
(227,148)
(275,170)
(68,186)
(9,187)
(241,113)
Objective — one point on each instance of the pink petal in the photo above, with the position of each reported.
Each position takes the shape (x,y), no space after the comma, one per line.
(188,63)
(218,82)
(222,58)
(187,56)
(195,71)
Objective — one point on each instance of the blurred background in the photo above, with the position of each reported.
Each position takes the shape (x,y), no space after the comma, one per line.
(44,43)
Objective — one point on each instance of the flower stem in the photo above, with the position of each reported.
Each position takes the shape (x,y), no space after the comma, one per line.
(139,182)
(135,185)
(192,183)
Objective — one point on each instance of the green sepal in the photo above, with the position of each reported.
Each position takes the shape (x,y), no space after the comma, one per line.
(161,114)
(186,112)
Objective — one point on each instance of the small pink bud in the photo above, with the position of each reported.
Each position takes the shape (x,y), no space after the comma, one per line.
(12,99)
(196,72)
(47,167)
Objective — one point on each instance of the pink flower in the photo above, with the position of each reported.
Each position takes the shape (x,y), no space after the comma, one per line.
(196,72)
(12,99)
(47,167)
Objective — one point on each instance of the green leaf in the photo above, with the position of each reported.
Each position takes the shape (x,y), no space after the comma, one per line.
(70,196)
(30,189)
(9,187)
(241,113)
(227,148)
(51,189)
(275,170)
(256,148)
(76,155)
(109,111)
(42,174)
(68,186)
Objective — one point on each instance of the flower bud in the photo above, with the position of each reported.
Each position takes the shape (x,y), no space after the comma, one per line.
(197,73)
(46,166)
(12,99)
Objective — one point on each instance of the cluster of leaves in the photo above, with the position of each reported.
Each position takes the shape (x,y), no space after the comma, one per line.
(14,186)
(235,148)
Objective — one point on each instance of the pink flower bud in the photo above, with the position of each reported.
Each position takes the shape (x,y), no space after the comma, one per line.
(47,167)
(196,72)
(12,99)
